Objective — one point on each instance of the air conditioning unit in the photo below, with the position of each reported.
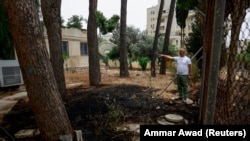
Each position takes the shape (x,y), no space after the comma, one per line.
(10,73)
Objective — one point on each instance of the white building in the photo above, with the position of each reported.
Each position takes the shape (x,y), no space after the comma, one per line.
(75,44)
(152,15)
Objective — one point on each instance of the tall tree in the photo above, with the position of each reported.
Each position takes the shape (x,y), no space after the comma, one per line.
(123,43)
(156,39)
(44,97)
(51,10)
(94,64)
(167,36)
(182,9)
(181,16)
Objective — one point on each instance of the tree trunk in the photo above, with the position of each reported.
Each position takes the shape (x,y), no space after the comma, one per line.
(45,100)
(167,36)
(94,64)
(156,39)
(123,43)
(51,10)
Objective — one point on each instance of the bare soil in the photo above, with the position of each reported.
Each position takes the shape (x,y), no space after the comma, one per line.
(99,111)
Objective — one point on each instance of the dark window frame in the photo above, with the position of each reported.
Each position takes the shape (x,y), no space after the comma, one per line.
(83,49)
(65,47)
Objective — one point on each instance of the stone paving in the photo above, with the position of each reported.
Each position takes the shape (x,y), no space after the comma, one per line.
(9,99)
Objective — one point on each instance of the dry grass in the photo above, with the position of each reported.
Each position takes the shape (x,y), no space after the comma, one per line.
(111,76)
(71,77)
(137,77)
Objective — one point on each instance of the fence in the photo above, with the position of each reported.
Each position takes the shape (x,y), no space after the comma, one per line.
(232,102)
(233,97)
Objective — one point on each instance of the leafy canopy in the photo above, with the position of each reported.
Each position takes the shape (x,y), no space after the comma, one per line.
(138,44)
(182,8)
(106,25)
(75,21)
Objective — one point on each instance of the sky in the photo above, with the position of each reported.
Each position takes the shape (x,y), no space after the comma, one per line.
(136,10)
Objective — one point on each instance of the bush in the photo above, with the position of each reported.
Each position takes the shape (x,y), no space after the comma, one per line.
(143,61)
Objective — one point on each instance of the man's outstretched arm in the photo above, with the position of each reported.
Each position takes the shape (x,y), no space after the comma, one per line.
(167,56)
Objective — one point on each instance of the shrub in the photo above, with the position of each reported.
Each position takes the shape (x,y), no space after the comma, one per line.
(143,61)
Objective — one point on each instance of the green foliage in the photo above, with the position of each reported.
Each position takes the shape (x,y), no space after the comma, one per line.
(194,41)
(100,22)
(112,23)
(114,53)
(65,56)
(248,48)
(143,48)
(6,44)
(114,115)
(133,36)
(187,4)
(182,8)
(172,50)
(106,25)
(181,16)
(143,61)
(138,44)
(75,21)
(244,57)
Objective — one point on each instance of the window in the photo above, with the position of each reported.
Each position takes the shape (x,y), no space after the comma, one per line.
(152,26)
(83,48)
(65,48)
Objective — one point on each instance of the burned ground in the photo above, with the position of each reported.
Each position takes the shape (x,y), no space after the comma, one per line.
(99,111)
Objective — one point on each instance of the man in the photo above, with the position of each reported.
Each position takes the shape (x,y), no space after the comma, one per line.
(184,69)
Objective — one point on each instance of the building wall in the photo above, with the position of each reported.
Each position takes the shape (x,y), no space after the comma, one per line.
(151,20)
(152,14)
(73,37)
